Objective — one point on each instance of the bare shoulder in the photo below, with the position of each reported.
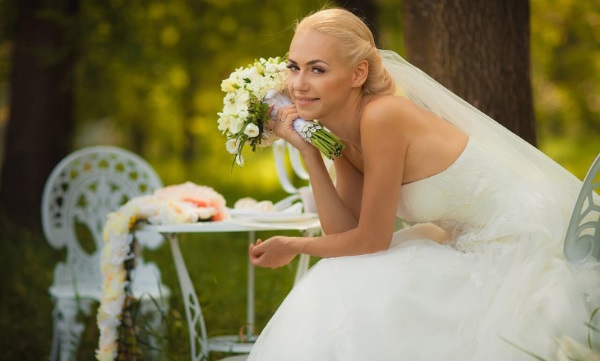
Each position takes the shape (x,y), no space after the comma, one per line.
(388,112)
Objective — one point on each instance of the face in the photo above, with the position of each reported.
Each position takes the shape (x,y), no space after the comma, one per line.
(319,79)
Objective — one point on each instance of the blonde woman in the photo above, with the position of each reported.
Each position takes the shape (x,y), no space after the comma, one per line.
(480,272)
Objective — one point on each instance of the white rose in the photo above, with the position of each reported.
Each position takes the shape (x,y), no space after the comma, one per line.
(251,130)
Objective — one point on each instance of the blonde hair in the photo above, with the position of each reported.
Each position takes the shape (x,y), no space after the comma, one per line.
(357,44)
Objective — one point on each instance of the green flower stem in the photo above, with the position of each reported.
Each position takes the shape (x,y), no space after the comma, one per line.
(327,143)
(330,145)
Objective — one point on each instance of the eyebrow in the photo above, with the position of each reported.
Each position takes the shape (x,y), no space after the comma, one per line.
(312,62)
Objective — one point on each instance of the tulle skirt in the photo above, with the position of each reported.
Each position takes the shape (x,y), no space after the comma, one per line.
(423,301)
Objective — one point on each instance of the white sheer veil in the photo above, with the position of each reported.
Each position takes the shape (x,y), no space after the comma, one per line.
(547,176)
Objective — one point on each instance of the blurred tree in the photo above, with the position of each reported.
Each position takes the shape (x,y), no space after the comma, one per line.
(41,103)
(368,10)
(479,50)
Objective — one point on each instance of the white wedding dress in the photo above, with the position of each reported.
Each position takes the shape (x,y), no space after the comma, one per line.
(501,286)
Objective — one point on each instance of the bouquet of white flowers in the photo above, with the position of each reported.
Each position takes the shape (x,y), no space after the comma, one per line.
(250,93)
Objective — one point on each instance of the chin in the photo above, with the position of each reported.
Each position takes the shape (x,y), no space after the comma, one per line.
(308,115)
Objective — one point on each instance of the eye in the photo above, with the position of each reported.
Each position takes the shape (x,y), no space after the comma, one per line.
(317,70)
(293,67)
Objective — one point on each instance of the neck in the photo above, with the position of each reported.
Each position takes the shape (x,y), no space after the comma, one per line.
(345,123)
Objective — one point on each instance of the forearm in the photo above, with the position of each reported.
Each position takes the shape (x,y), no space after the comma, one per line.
(335,216)
(349,243)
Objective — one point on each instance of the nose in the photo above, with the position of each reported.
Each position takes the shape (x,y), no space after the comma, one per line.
(299,81)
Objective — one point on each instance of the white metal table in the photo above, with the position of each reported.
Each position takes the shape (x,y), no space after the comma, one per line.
(200,344)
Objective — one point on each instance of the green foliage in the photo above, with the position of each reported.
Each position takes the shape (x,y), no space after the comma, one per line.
(565,47)
(149,80)
(25,307)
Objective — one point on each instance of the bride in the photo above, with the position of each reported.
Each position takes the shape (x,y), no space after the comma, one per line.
(479,276)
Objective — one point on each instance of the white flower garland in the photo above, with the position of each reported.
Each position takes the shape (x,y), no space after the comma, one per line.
(184,203)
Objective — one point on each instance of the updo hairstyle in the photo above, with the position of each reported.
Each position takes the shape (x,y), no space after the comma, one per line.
(357,44)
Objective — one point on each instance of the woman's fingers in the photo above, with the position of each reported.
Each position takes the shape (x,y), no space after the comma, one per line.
(283,127)
(254,248)
(255,256)
(287,113)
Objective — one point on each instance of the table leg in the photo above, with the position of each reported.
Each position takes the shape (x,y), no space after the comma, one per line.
(250,303)
(193,312)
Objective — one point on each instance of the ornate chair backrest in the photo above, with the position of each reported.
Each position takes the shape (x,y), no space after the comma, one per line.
(298,171)
(583,234)
(279,150)
(81,190)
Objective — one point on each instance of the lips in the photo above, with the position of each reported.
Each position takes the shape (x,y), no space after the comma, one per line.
(305,100)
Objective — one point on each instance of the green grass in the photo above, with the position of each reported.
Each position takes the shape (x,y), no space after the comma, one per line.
(217,265)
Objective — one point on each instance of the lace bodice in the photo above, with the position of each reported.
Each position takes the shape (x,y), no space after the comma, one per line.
(481,198)
(457,194)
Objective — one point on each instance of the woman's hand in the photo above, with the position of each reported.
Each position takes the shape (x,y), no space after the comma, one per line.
(283,127)
(274,252)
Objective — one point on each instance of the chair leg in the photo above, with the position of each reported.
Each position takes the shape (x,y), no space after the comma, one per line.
(303,264)
(54,351)
(67,329)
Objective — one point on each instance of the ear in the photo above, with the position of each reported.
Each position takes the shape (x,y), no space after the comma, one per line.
(361,70)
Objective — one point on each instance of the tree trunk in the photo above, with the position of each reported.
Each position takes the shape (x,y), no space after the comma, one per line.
(480,51)
(40,124)
(367,10)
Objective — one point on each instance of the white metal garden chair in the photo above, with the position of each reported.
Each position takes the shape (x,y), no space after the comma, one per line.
(303,193)
(81,190)
(583,234)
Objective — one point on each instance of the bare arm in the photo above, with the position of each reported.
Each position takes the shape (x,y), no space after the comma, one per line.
(338,206)
(338,212)
(384,146)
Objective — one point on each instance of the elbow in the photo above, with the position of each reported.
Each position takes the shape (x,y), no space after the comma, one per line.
(339,227)
(375,242)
